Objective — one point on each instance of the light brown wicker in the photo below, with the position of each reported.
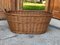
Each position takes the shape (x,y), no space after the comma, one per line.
(28,21)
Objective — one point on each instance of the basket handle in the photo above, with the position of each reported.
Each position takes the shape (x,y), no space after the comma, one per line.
(4,10)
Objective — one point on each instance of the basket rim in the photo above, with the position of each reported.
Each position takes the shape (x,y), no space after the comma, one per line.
(28,11)
(39,11)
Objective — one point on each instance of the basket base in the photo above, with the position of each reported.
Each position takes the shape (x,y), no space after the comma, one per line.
(28,32)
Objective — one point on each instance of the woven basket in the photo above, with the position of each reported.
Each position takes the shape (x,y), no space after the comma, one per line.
(28,21)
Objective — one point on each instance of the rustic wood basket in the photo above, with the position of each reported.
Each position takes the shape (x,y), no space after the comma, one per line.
(28,21)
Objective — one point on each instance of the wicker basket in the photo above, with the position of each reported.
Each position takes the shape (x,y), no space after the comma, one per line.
(28,21)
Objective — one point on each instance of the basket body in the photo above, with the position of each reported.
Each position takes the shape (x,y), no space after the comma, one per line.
(2,15)
(28,22)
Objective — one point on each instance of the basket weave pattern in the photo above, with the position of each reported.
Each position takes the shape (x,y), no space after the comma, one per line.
(28,22)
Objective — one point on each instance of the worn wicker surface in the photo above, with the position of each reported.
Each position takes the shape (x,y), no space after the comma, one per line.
(2,15)
(28,22)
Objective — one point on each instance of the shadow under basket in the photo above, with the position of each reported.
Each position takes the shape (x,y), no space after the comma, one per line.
(28,21)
